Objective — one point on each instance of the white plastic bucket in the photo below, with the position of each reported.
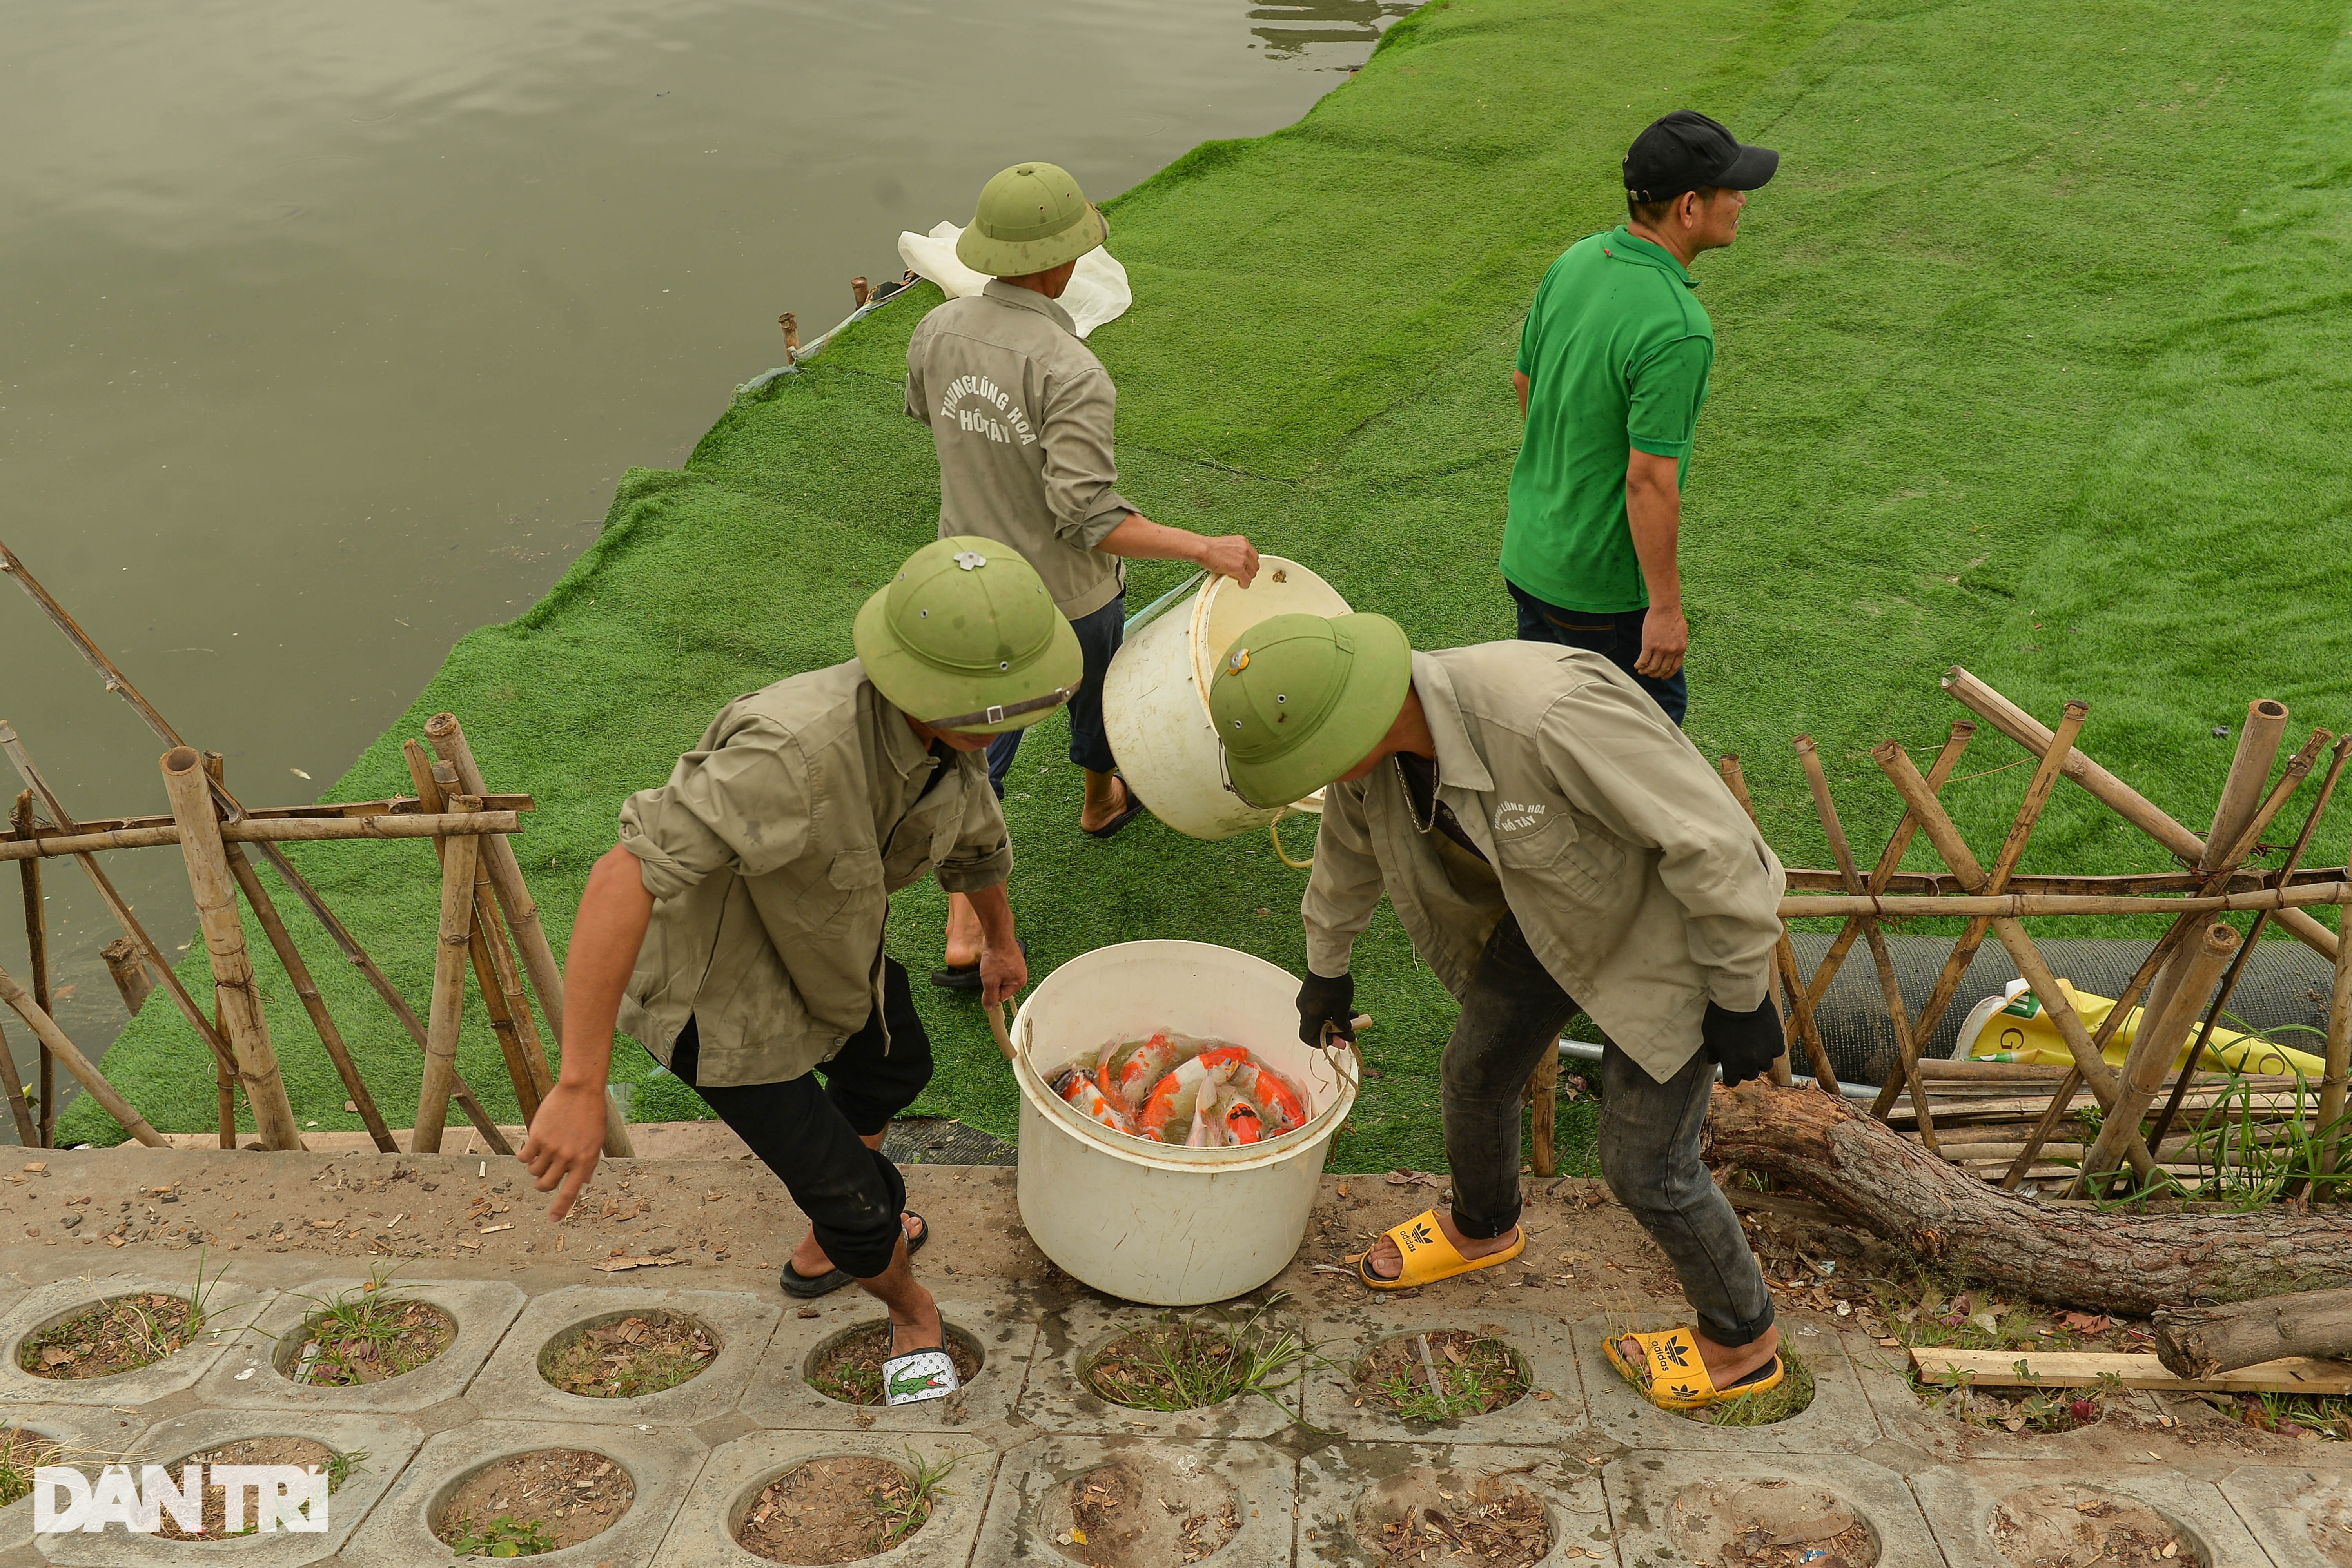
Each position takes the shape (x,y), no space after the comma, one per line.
(1151,1222)
(1156,697)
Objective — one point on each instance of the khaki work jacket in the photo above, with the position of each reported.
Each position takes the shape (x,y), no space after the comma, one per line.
(1022,412)
(771,854)
(1640,883)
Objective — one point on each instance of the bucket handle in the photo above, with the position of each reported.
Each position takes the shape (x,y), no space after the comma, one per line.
(1273,831)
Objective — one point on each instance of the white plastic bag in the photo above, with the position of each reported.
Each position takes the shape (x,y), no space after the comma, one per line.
(1097,291)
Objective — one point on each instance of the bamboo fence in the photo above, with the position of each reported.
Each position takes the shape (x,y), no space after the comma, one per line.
(487,917)
(2004,1119)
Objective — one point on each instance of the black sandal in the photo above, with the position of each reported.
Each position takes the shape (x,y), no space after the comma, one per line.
(1134,809)
(965,976)
(809,1286)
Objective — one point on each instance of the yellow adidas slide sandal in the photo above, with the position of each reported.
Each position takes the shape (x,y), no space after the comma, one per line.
(1666,1368)
(1427,1257)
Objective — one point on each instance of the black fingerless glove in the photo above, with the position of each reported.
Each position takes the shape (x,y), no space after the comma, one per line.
(1745,1045)
(1322,1001)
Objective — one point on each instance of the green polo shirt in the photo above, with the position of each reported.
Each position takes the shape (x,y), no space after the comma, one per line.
(1617,351)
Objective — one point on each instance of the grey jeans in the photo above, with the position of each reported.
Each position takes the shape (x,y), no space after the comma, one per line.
(1649,1137)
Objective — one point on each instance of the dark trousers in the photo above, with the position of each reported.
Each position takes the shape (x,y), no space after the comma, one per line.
(1099,635)
(1649,1136)
(1615,637)
(809,1135)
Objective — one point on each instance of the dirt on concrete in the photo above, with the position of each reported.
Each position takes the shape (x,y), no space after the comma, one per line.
(537,1503)
(1475,1371)
(835,1509)
(118,1335)
(627,1357)
(1144,1510)
(1454,1516)
(300,1451)
(2075,1527)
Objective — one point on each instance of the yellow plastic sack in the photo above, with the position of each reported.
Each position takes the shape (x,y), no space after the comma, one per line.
(2013,1027)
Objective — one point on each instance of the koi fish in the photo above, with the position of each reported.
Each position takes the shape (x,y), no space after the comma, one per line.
(1175,1098)
(1130,1068)
(1080,1091)
(1232,1120)
(1275,1102)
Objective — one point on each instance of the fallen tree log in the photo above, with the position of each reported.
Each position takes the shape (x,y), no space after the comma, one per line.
(2116,1259)
(2201,1342)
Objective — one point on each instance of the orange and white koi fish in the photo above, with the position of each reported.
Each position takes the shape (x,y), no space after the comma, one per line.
(1167,1114)
(1222,1120)
(1277,1104)
(1130,1068)
(1081,1091)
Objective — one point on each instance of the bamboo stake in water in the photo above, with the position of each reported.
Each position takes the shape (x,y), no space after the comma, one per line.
(37,1019)
(521,912)
(1898,1012)
(235,990)
(223,1065)
(449,964)
(37,960)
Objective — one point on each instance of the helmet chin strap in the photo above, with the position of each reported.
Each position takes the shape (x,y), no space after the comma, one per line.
(997,715)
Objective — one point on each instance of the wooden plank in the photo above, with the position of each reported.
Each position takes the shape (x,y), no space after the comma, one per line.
(2078,1369)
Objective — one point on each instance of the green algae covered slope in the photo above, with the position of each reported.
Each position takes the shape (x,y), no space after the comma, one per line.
(2028,362)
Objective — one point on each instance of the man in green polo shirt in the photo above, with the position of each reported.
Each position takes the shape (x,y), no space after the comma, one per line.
(1612,371)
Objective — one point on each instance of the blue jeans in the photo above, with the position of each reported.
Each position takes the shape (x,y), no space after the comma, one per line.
(1099,635)
(1616,638)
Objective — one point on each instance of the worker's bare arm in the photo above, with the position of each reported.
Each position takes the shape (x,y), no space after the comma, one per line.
(1003,970)
(1519,379)
(1139,538)
(1654,509)
(567,1136)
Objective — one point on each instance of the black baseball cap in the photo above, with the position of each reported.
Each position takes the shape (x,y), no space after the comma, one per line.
(1686,150)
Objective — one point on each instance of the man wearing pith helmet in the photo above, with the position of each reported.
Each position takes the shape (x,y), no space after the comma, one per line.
(1021,412)
(1551,842)
(736,929)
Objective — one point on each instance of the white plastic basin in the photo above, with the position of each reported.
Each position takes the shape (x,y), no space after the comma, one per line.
(1151,1222)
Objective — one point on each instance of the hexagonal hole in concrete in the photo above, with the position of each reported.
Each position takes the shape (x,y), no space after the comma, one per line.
(838,1508)
(109,1337)
(1486,1517)
(1147,1508)
(1442,1374)
(225,1517)
(1196,1359)
(1770,1524)
(847,1365)
(23,1450)
(2331,1532)
(2059,1526)
(629,1354)
(1793,1395)
(363,1335)
(522,1505)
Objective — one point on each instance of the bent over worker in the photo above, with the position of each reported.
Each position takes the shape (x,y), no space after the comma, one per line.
(736,929)
(1022,415)
(1551,842)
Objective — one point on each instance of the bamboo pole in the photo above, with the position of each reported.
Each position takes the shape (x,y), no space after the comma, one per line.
(521,912)
(2024,906)
(28,1133)
(330,811)
(1897,845)
(37,1019)
(1933,884)
(1543,1125)
(234,988)
(2159,1038)
(2250,769)
(36,962)
(2117,797)
(223,1065)
(120,684)
(2303,759)
(435,782)
(129,971)
(2012,848)
(449,1007)
(1784,955)
(264,830)
(1898,1012)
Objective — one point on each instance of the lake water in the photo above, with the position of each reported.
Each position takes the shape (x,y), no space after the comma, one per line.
(326,331)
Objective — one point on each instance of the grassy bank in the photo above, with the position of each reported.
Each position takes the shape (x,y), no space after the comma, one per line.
(2029,361)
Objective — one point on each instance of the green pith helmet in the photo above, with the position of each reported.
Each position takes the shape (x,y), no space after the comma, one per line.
(1031,217)
(1299,700)
(966,638)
